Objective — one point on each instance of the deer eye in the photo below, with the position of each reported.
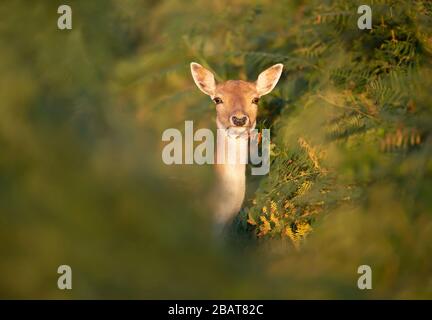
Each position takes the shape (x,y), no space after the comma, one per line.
(255,100)
(217,100)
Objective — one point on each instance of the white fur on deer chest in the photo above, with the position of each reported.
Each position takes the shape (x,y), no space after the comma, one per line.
(231,180)
(230,191)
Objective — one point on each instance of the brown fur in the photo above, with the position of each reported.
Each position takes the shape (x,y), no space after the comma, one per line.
(237,96)
(236,99)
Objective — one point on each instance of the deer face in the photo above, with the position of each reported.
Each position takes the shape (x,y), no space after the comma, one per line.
(236,100)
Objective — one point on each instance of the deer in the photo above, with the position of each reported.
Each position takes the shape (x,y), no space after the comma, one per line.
(236,113)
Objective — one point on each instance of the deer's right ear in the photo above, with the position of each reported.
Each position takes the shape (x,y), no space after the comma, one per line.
(268,79)
(203,78)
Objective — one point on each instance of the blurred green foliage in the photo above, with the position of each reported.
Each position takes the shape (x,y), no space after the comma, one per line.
(81,177)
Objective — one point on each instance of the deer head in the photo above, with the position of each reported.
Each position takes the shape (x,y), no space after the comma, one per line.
(236,100)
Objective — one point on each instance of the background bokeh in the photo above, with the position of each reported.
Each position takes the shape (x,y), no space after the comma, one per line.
(82,182)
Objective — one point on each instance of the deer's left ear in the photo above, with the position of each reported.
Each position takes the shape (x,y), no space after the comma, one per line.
(268,79)
(203,78)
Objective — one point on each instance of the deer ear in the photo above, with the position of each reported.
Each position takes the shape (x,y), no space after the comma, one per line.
(203,78)
(268,79)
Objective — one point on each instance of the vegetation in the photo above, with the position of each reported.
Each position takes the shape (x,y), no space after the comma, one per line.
(81,177)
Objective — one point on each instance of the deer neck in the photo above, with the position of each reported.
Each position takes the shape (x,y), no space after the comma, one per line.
(231,159)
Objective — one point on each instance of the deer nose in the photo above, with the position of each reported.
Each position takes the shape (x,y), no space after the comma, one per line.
(239,121)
